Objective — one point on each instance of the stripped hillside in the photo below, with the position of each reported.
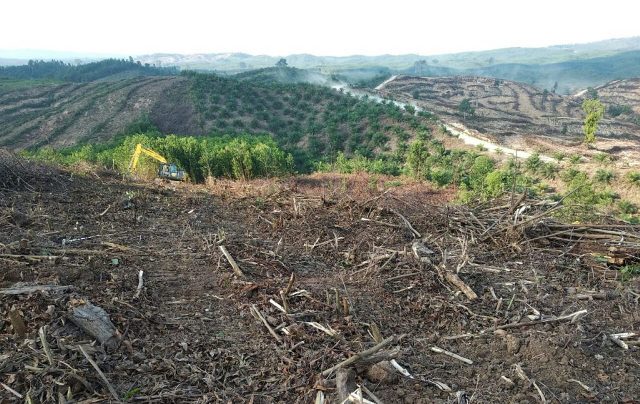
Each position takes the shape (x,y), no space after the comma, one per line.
(622,97)
(309,120)
(506,109)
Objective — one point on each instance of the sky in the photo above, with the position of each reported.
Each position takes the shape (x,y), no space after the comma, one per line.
(325,27)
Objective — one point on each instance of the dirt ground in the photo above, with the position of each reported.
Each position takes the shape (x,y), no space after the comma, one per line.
(192,333)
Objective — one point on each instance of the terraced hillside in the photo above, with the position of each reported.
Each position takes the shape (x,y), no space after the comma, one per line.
(622,94)
(310,121)
(505,109)
(62,115)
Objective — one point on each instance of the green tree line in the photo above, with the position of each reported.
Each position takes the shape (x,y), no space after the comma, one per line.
(237,157)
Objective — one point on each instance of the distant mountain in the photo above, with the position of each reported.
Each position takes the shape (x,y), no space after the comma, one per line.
(552,54)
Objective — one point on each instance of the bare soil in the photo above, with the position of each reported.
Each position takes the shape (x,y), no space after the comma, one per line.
(190,335)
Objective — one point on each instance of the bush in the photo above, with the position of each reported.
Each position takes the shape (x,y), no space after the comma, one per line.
(533,163)
(575,159)
(634,178)
(617,110)
(627,208)
(603,158)
(604,176)
(548,170)
(559,156)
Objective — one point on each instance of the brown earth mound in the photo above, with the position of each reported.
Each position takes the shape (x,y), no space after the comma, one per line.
(328,267)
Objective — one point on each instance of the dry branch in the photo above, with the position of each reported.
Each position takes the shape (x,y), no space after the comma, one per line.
(102,376)
(260,317)
(231,261)
(359,356)
(21,289)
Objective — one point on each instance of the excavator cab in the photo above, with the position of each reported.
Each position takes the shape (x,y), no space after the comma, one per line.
(170,171)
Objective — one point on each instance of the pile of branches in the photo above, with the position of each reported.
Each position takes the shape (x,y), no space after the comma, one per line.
(521,221)
(18,174)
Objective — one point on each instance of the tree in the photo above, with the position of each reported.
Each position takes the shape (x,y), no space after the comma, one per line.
(282,63)
(594,111)
(465,108)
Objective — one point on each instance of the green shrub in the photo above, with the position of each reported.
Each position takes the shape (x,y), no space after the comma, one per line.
(559,156)
(634,178)
(533,163)
(548,170)
(218,156)
(569,174)
(627,208)
(603,158)
(442,176)
(604,176)
(575,159)
(630,271)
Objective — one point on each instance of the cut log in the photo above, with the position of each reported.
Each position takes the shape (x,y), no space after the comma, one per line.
(95,321)
(24,289)
(17,323)
(345,383)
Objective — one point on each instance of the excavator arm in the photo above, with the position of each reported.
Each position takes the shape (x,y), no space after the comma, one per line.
(140,150)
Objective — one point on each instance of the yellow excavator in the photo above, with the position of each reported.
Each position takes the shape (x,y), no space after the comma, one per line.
(165,169)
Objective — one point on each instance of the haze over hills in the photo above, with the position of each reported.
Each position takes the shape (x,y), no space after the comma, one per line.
(573,67)
(464,60)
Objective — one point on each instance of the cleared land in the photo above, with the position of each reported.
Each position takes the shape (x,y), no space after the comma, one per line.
(518,114)
(188,333)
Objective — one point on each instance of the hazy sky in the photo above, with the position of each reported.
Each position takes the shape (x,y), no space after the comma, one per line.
(326,27)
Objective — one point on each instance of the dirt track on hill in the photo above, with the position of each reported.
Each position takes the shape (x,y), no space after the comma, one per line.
(190,336)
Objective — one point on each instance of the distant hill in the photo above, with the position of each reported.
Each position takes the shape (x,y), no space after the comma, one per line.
(236,62)
(571,76)
(284,75)
(58,70)
(510,110)
(312,122)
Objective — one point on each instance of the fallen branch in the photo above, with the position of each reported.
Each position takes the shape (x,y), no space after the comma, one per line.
(102,376)
(42,333)
(455,280)
(21,289)
(361,355)
(260,317)
(451,354)
(407,223)
(12,391)
(233,263)
(573,317)
(140,284)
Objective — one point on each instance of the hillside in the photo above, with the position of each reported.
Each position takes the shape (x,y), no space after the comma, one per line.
(310,121)
(571,75)
(623,94)
(506,109)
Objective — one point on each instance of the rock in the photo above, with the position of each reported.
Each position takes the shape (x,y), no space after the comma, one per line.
(422,252)
(513,344)
(382,372)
